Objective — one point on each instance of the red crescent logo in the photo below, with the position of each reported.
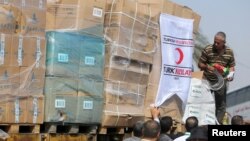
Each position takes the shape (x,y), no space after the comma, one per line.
(180,56)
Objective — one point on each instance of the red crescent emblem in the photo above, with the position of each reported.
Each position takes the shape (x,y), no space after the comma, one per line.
(180,56)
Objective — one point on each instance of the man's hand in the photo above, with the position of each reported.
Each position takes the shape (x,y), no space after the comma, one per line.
(230,76)
(210,68)
(155,112)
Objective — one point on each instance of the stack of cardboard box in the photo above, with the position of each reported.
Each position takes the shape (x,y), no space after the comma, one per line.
(131,29)
(75,61)
(22,61)
(133,59)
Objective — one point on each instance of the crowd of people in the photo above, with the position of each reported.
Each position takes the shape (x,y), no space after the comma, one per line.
(160,129)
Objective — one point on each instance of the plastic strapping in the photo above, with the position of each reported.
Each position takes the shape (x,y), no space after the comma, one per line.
(132,30)
(149,20)
(138,93)
(118,92)
(111,11)
(111,58)
(77,16)
(126,64)
(118,115)
(141,66)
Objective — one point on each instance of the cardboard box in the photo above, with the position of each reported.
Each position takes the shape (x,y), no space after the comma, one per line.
(197,74)
(33,21)
(123,93)
(5,49)
(127,38)
(31,81)
(145,11)
(172,8)
(63,54)
(17,109)
(121,115)
(90,87)
(92,52)
(10,80)
(131,24)
(91,19)
(122,69)
(26,51)
(60,85)
(117,50)
(77,15)
(89,109)
(60,108)
(10,19)
(61,16)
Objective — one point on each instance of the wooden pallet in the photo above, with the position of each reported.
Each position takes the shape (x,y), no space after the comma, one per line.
(24,137)
(70,137)
(114,130)
(69,128)
(49,137)
(20,128)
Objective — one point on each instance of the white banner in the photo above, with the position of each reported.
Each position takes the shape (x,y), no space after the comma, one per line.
(177,49)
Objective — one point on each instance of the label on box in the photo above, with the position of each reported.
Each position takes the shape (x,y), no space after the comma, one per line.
(2,49)
(38,51)
(23,3)
(87,104)
(17,111)
(62,57)
(60,103)
(89,60)
(40,4)
(20,51)
(97,12)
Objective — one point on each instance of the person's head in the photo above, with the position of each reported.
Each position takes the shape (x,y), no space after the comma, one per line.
(219,40)
(198,134)
(191,123)
(166,123)
(137,129)
(151,129)
(237,120)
